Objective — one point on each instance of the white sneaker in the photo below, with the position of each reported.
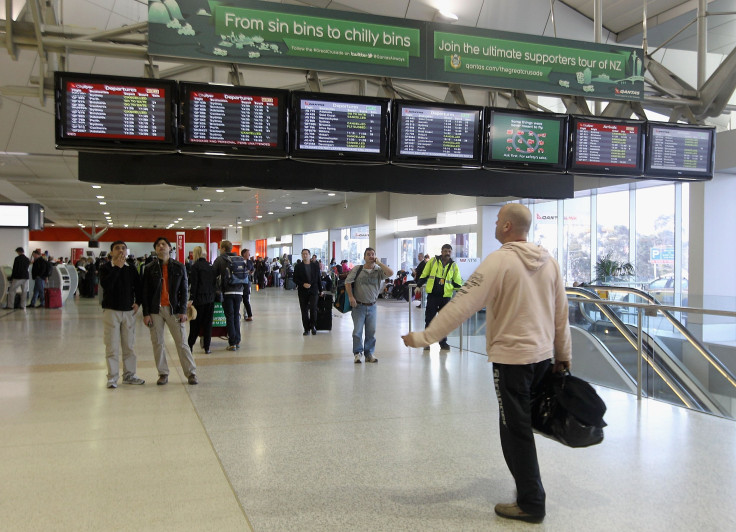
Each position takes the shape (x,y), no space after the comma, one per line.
(357,358)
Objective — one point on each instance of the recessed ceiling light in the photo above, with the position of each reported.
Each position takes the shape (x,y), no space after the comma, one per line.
(305,202)
(96,186)
(247,220)
(100,197)
(220,190)
(331,194)
(206,199)
(103,203)
(125,225)
(230,225)
(105,213)
(259,216)
(190,211)
(287,208)
(270,212)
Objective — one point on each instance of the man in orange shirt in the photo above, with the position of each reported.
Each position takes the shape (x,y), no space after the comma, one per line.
(165,302)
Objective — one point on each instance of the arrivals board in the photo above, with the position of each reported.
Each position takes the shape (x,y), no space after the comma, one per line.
(607,146)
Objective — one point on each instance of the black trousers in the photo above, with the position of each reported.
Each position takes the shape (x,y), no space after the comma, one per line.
(434,305)
(514,387)
(203,324)
(246,301)
(308,306)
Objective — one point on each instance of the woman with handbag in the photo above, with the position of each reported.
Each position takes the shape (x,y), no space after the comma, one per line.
(202,296)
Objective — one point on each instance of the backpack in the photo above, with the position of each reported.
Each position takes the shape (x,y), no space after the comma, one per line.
(236,271)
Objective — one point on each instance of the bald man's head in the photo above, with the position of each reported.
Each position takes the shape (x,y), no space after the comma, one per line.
(514,221)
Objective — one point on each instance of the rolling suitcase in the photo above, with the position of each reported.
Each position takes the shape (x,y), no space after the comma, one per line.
(52,297)
(324,313)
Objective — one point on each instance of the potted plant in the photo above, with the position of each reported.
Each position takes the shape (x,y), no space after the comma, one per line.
(606,268)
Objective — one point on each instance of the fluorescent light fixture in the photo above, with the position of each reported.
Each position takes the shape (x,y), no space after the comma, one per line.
(247,220)
(105,213)
(190,211)
(259,216)
(331,194)
(103,203)
(305,202)
(287,208)
(100,197)
(96,186)
(270,212)
(206,199)
(220,190)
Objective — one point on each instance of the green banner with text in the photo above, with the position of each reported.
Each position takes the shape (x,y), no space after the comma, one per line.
(537,64)
(270,34)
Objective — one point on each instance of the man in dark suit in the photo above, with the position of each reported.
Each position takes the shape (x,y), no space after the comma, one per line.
(307,278)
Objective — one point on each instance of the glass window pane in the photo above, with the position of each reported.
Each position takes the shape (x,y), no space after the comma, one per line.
(544,220)
(613,225)
(576,249)
(655,240)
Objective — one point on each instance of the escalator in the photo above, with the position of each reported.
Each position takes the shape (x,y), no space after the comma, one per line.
(605,350)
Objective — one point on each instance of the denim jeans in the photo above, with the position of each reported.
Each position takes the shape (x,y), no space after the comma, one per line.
(231,307)
(38,291)
(364,317)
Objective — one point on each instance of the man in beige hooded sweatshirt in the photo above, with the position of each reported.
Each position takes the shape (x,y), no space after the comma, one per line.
(521,287)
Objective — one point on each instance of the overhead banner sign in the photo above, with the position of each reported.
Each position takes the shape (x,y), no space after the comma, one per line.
(538,64)
(270,34)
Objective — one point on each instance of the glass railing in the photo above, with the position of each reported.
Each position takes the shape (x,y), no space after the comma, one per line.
(624,339)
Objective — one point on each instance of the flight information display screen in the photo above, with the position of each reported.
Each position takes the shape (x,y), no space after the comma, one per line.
(216,117)
(607,147)
(678,150)
(340,126)
(115,111)
(438,132)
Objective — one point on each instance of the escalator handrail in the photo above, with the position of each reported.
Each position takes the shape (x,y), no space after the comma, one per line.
(665,310)
(592,297)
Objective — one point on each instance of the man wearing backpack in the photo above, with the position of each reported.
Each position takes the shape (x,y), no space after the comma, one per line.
(232,273)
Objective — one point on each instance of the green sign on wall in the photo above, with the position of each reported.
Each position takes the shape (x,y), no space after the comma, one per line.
(269,34)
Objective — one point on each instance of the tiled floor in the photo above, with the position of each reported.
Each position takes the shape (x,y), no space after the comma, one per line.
(288,434)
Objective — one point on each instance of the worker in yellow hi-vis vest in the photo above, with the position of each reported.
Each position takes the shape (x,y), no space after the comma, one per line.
(442,277)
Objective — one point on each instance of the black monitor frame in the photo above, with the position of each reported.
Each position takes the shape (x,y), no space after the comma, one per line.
(681,174)
(432,159)
(493,163)
(602,169)
(338,156)
(187,145)
(65,140)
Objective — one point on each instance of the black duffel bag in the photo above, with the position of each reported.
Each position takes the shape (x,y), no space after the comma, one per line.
(568,409)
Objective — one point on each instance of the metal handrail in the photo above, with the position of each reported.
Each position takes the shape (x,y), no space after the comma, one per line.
(666,312)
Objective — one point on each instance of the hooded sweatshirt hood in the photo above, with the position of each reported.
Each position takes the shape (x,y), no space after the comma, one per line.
(532,256)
